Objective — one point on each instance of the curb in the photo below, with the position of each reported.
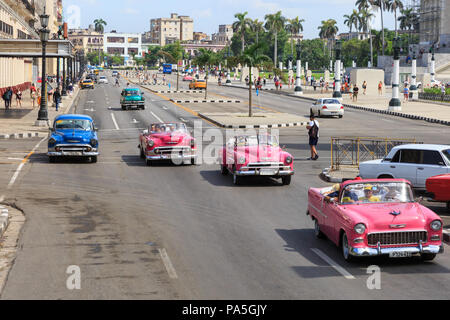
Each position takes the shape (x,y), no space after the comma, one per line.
(179,91)
(325,176)
(256,126)
(392,113)
(205,101)
(4,220)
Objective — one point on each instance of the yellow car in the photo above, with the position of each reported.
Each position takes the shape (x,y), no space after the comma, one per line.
(96,71)
(197,84)
(87,83)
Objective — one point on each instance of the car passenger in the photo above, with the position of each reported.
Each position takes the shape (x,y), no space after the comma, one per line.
(333,193)
(368,195)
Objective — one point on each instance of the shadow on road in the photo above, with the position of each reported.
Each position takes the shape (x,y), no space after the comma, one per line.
(215,178)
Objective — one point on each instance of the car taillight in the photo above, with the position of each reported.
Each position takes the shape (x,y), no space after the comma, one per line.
(324,107)
(192,143)
(342,107)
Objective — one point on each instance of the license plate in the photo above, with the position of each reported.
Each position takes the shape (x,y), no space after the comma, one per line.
(399,254)
(267,172)
(73,153)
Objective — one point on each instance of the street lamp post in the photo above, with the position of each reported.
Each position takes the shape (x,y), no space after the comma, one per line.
(413,87)
(432,66)
(337,72)
(44,35)
(228,68)
(395,104)
(298,91)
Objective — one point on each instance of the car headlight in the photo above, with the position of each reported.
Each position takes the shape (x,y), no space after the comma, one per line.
(94,142)
(436,225)
(242,160)
(151,143)
(288,160)
(360,228)
(52,141)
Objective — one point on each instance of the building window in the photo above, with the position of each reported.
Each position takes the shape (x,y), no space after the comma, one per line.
(116,39)
(133,40)
(21,34)
(6,28)
(132,51)
(113,50)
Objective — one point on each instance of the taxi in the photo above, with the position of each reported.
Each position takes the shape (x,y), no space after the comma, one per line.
(87,83)
(197,84)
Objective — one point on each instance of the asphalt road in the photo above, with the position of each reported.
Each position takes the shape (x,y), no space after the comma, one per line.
(170,232)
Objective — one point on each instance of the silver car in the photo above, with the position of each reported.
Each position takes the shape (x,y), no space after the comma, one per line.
(327,107)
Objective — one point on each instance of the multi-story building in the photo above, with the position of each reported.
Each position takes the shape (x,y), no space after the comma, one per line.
(126,45)
(20,20)
(86,40)
(435,22)
(200,36)
(168,30)
(224,35)
(352,35)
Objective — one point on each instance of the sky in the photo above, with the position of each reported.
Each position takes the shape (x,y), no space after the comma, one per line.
(133,16)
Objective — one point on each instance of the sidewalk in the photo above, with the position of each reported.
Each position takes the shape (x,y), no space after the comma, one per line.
(19,122)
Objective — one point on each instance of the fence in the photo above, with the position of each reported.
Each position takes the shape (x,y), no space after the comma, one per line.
(434,96)
(350,151)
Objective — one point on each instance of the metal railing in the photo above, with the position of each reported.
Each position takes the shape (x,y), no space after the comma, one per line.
(351,151)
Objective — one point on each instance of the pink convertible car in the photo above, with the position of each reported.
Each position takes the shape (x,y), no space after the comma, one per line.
(167,141)
(375,217)
(256,155)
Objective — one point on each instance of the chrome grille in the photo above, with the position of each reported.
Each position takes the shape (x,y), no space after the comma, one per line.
(403,237)
(74,148)
(265,165)
(168,150)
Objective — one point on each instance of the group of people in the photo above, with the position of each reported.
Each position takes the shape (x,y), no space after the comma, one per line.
(366,193)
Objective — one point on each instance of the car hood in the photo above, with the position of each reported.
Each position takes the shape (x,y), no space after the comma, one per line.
(73,136)
(167,139)
(133,98)
(379,216)
(262,153)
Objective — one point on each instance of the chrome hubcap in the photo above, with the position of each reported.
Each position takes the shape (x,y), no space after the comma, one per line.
(345,246)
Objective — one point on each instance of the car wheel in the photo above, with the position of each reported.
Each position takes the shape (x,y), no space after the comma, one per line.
(148,162)
(427,256)
(317,232)
(142,155)
(193,161)
(340,116)
(223,169)
(318,114)
(311,113)
(448,206)
(143,108)
(123,108)
(52,159)
(236,178)
(286,180)
(346,249)
(94,159)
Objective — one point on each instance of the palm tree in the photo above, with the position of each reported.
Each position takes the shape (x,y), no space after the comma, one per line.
(275,23)
(205,58)
(328,31)
(294,26)
(393,6)
(257,27)
(252,58)
(351,20)
(382,6)
(99,25)
(364,18)
(241,25)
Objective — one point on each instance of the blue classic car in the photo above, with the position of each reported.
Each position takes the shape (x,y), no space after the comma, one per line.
(73,135)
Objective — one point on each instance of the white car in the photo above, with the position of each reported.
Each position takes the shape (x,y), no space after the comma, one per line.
(102,79)
(413,162)
(327,107)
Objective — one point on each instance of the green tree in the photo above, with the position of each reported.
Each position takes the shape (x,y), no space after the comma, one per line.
(328,31)
(241,25)
(274,24)
(313,53)
(205,59)
(257,28)
(294,26)
(382,5)
(352,20)
(395,5)
(252,58)
(100,25)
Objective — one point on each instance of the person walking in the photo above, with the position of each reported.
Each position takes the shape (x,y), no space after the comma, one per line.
(7,97)
(364,86)
(380,88)
(355,92)
(405,93)
(33,97)
(18,98)
(57,98)
(350,91)
(313,133)
(442,91)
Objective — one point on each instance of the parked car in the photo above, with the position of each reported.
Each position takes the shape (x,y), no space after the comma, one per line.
(413,162)
(73,136)
(132,97)
(87,83)
(115,73)
(438,188)
(167,141)
(327,107)
(375,217)
(256,155)
(197,84)
(103,79)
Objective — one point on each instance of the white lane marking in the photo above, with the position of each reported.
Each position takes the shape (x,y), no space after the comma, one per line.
(165,108)
(115,122)
(127,129)
(166,260)
(332,263)
(134,121)
(183,120)
(90,110)
(19,168)
(158,118)
(15,159)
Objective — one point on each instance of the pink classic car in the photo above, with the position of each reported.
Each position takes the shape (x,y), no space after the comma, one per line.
(375,217)
(256,155)
(188,78)
(167,141)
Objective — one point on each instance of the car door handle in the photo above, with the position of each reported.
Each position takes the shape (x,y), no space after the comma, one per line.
(420,168)
(393,167)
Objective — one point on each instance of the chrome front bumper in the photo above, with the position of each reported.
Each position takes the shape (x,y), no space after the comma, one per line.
(366,251)
(171,157)
(75,151)
(262,171)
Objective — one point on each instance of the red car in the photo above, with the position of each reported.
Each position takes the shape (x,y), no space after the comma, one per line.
(375,217)
(167,141)
(256,155)
(439,188)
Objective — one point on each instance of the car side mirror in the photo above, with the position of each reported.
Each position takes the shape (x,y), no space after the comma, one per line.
(95,129)
(51,129)
(419,199)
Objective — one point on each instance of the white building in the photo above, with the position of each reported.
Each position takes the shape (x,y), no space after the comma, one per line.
(124,44)
(224,35)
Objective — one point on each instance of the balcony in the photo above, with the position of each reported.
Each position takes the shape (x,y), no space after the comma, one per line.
(24,8)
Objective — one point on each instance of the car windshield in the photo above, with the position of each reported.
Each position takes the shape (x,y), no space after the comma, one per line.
(378,192)
(73,124)
(167,127)
(131,93)
(261,139)
(331,101)
(102,77)
(447,154)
